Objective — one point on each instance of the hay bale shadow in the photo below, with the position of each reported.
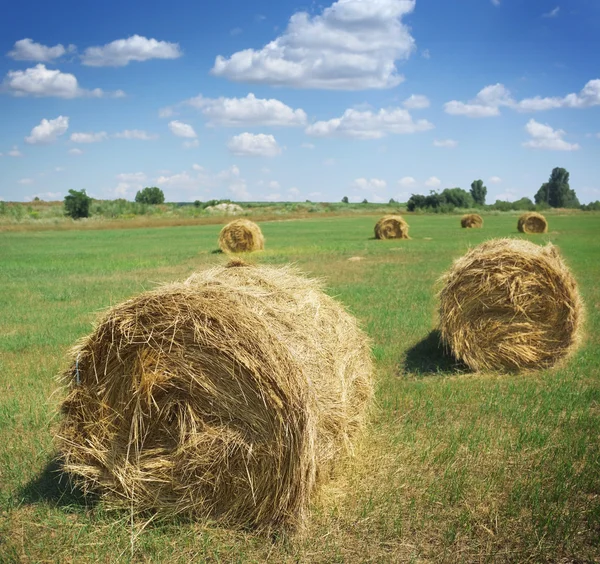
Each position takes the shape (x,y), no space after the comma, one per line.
(216,252)
(55,488)
(429,357)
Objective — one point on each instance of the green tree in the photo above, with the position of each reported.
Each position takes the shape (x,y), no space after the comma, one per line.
(457,197)
(392,201)
(151,195)
(365,201)
(345,200)
(556,192)
(77,204)
(478,192)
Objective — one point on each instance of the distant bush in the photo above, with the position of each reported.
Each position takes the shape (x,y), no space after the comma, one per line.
(524,204)
(77,204)
(592,206)
(441,202)
(149,195)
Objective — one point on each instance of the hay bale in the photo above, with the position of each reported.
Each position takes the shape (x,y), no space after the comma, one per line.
(532,222)
(391,227)
(471,220)
(509,304)
(228,396)
(241,236)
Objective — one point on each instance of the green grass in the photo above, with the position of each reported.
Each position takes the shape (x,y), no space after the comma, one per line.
(454,467)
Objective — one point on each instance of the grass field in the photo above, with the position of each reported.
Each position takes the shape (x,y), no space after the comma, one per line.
(454,466)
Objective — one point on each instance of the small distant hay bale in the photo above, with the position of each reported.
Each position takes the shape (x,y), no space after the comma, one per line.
(471,220)
(391,227)
(229,396)
(241,236)
(509,304)
(532,222)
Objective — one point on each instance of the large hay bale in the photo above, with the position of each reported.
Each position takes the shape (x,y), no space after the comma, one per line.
(227,396)
(391,227)
(241,236)
(532,222)
(509,304)
(471,220)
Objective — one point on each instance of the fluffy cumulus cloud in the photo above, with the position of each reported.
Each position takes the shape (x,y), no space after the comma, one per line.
(369,125)
(351,45)
(39,81)
(197,184)
(369,185)
(135,48)
(407,182)
(14,152)
(27,50)
(75,152)
(248,111)
(495,180)
(48,131)
(26,181)
(545,137)
(433,182)
(180,129)
(416,102)
(129,183)
(138,134)
(446,143)
(250,145)
(490,99)
(89,137)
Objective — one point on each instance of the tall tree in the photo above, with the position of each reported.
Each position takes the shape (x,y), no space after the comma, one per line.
(479,192)
(77,204)
(556,192)
(150,195)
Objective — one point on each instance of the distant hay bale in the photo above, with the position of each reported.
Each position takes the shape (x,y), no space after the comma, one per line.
(228,396)
(471,220)
(241,236)
(532,222)
(391,227)
(509,304)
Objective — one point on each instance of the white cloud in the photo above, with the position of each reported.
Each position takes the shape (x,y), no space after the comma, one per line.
(14,152)
(351,45)
(509,195)
(89,137)
(274,185)
(496,2)
(447,143)
(369,185)
(368,125)
(426,54)
(39,81)
(433,182)
(136,177)
(314,194)
(544,137)
(490,99)
(197,167)
(27,50)
(135,48)
(311,145)
(416,102)
(294,192)
(46,196)
(237,112)
(187,185)
(76,152)
(48,130)
(273,198)
(138,134)
(495,180)
(552,13)
(485,104)
(180,129)
(129,182)
(166,112)
(190,144)
(407,182)
(250,145)
(26,181)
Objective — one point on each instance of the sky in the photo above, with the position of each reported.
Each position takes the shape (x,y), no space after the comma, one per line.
(288,101)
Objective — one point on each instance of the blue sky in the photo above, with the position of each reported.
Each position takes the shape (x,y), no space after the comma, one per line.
(262,100)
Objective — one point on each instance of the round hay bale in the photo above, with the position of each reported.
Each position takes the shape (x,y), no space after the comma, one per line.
(532,222)
(241,236)
(509,304)
(391,227)
(471,220)
(228,396)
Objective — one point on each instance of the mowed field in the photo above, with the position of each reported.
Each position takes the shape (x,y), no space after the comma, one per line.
(454,466)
